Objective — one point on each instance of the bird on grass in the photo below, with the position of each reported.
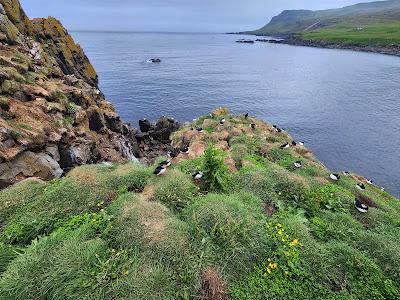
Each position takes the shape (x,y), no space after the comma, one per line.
(334,177)
(360,186)
(246,115)
(222,122)
(294,144)
(185,150)
(346,173)
(166,163)
(361,207)
(160,170)
(173,153)
(199,129)
(285,146)
(298,164)
(301,143)
(253,126)
(198,175)
(369,181)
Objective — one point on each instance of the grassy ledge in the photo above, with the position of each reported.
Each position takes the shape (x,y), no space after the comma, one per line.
(254,227)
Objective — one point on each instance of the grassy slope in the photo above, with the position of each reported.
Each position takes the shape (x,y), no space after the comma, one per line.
(264,230)
(380,22)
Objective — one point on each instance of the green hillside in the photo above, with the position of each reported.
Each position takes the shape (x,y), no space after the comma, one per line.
(375,23)
(255,227)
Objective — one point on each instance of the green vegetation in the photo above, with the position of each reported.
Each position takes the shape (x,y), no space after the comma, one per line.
(374,23)
(387,33)
(254,227)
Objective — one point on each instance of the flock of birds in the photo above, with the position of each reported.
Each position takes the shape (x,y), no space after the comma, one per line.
(162,167)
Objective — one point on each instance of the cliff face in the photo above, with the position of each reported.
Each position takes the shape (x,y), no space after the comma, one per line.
(52,115)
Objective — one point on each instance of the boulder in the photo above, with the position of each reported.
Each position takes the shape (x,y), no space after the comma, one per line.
(96,121)
(163,129)
(74,156)
(29,164)
(144,125)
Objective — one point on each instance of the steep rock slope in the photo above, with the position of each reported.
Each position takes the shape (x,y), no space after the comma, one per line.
(52,114)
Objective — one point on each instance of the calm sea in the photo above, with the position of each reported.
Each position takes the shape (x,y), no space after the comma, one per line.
(344,104)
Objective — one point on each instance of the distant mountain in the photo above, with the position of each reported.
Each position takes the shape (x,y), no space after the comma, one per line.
(297,21)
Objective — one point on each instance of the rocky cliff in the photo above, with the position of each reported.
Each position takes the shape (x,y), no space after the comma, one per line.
(52,114)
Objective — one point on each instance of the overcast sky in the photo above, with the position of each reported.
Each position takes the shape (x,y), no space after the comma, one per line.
(169,15)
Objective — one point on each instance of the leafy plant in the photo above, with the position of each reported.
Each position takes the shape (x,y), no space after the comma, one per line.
(215,170)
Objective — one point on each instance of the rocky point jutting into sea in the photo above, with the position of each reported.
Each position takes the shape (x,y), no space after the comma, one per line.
(52,114)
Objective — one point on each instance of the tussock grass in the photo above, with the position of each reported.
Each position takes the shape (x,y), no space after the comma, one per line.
(262,230)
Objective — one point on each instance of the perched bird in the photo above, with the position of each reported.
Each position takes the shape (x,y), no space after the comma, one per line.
(246,115)
(222,121)
(360,186)
(253,126)
(346,173)
(294,144)
(172,153)
(298,164)
(361,207)
(285,146)
(166,163)
(185,150)
(160,170)
(198,175)
(334,177)
(369,181)
(301,143)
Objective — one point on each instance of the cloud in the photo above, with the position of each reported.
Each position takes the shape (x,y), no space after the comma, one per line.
(169,15)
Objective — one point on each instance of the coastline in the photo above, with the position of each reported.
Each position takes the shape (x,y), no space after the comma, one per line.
(393,50)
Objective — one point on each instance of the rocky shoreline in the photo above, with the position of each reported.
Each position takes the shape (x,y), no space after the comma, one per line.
(53,116)
(393,50)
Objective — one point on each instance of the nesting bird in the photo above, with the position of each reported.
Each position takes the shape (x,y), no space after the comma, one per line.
(185,150)
(334,177)
(166,163)
(285,146)
(160,170)
(361,207)
(360,186)
(172,153)
(298,164)
(198,175)
(199,129)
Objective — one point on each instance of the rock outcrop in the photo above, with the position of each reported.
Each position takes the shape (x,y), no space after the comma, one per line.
(52,114)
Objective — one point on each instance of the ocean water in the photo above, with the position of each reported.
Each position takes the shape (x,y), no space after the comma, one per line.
(345,105)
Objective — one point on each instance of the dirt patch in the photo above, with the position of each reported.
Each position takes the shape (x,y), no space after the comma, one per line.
(147,194)
(269,209)
(213,286)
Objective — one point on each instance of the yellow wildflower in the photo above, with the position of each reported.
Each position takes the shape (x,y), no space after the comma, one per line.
(294,242)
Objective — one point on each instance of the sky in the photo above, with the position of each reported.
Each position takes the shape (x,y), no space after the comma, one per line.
(169,15)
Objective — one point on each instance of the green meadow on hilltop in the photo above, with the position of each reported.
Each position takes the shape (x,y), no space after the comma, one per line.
(255,227)
(372,23)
